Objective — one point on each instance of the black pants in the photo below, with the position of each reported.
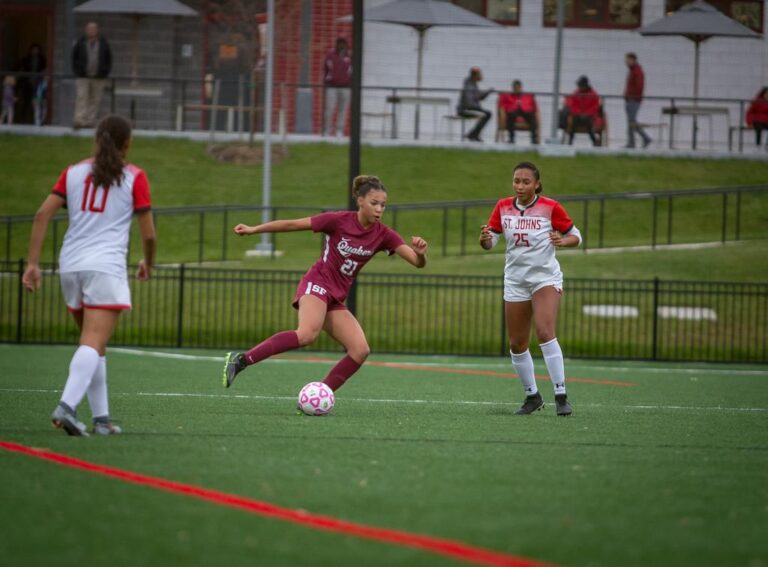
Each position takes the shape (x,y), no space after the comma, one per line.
(759,127)
(481,121)
(578,120)
(530,119)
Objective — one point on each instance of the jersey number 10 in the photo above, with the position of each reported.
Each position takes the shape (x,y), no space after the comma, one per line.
(89,198)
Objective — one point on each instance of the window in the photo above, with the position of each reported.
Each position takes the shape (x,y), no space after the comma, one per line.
(747,12)
(618,14)
(501,11)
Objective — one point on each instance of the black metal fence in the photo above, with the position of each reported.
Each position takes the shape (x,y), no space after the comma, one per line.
(189,306)
(684,216)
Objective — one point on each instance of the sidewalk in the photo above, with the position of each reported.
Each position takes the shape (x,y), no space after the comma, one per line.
(555,150)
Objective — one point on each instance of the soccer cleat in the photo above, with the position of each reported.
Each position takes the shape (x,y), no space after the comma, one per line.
(63,419)
(107,428)
(233,366)
(531,404)
(562,406)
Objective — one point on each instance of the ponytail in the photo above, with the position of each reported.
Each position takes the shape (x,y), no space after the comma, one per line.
(112,137)
(534,169)
(362,184)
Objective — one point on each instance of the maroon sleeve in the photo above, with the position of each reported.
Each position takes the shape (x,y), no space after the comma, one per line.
(60,188)
(324,222)
(141,199)
(560,219)
(494,222)
(392,241)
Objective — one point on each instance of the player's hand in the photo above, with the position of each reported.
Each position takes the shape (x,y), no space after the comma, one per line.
(556,237)
(244,229)
(419,245)
(31,278)
(485,236)
(143,273)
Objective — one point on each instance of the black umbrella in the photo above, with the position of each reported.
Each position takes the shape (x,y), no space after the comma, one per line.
(698,21)
(422,15)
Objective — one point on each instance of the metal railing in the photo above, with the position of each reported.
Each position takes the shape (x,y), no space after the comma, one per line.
(388,111)
(683,216)
(188,306)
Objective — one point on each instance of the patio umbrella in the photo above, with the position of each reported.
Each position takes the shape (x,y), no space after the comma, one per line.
(698,21)
(422,15)
(136,9)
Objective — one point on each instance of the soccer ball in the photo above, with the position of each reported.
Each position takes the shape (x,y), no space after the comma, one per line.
(316,398)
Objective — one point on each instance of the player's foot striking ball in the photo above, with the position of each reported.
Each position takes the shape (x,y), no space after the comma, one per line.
(533,227)
(562,405)
(234,363)
(352,238)
(531,404)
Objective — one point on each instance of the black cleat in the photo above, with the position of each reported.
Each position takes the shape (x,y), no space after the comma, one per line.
(531,404)
(562,405)
(235,363)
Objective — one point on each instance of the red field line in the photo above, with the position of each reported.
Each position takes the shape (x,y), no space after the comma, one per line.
(453,549)
(467,371)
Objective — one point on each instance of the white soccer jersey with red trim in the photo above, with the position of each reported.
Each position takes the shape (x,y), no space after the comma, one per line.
(99,218)
(530,255)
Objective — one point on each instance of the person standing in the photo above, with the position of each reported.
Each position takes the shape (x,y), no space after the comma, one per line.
(352,238)
(91,63)
(337,78)
(469,103)
(33,65)
(101,194)
(519,104)
(533,227)
(633,97)
(757,114)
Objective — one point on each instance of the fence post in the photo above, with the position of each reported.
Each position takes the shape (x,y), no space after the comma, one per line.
(738,215)
(655,328)
(180,318)
(725,216)
(20,311)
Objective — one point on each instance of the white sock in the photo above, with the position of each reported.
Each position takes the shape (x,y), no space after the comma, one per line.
(523,364)
(97,391)
(553,358)
(81,371)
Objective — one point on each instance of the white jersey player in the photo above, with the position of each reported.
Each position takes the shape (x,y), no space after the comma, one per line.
(533,226)
(101,195)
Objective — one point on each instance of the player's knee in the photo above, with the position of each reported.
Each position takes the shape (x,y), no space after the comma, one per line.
(307,336)
(518,346)
(545,335)
(360,352)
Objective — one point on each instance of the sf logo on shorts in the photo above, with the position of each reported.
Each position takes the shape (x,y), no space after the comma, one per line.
(316,289)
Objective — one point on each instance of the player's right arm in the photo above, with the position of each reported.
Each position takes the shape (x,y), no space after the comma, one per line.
(292,225)
(489,233)
(31,277)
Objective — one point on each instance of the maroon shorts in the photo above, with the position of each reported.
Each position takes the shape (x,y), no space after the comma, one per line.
(310,285)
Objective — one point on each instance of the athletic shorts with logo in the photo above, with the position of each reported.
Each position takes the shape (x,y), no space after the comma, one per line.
(95,290)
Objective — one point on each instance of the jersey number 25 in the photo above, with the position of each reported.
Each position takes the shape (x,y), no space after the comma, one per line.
(521,239)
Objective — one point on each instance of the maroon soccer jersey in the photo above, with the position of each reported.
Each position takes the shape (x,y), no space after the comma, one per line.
(348,247)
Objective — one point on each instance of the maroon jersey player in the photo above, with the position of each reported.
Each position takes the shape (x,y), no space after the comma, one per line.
(351,240)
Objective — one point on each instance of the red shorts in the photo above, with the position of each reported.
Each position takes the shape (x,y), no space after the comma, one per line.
(310,285)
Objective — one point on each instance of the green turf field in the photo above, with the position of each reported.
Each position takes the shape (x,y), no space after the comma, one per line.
(666,466)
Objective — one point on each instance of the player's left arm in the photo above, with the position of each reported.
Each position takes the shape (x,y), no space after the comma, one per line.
(291,225)
(416,253)
(51,205)
(564,233)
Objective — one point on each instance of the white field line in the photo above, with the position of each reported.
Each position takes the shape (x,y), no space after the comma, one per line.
(571,364)
(392,401)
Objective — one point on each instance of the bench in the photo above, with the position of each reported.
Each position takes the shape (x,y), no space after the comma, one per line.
(740,130)
(599,127)
(451,118)
(520,125)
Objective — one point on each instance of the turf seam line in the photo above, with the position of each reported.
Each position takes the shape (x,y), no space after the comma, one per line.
(445,547)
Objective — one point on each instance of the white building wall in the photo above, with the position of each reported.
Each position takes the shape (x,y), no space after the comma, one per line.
(730,68)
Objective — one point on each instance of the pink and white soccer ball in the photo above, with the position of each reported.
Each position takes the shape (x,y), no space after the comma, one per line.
(316,398)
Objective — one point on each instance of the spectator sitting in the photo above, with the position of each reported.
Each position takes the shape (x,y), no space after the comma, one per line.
(469,103)
(757,114)
(519,104)
(583,107)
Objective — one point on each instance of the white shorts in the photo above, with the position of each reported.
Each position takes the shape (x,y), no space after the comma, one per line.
(514,292)
(95,290)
